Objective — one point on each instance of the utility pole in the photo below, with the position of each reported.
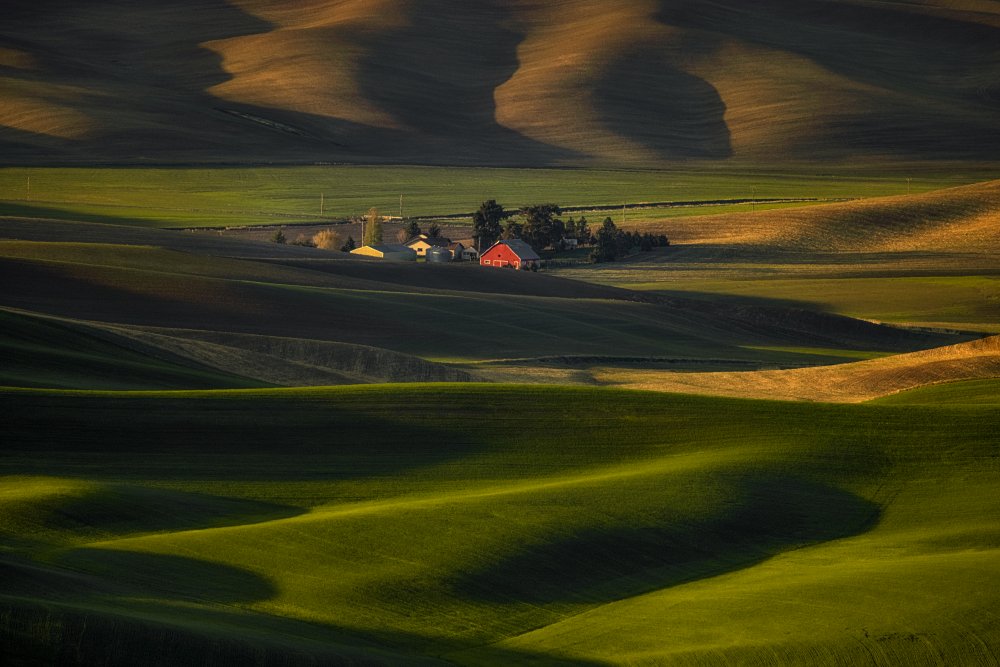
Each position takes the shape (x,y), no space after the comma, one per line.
(29,189)
(908,186)
(400,208)
(623,214)
(322,202)
(753,198)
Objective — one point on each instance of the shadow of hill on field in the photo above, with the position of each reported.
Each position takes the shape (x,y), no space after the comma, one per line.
(436,73)
(104,511)
(407,82)
(149,83)
(280,435)
(170,577)
(141,75)
(921,80)
(678,115)
(41,631)
(771,514)
(49,211)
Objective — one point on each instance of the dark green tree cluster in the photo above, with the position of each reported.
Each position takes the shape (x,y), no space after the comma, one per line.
(611,243)
(487,223)
(542,226)
(512,230)
(349,245)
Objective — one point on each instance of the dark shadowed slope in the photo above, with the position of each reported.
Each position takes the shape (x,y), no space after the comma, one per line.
(442,81)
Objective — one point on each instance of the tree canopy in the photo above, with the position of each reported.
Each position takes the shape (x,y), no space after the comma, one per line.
(486,223)
(541,226)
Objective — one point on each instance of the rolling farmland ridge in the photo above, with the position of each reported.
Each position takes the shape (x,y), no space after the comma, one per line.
(750,417)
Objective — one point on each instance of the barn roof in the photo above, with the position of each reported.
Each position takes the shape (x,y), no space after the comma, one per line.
(520,248)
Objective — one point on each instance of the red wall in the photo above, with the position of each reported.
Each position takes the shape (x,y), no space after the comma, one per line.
(500,252)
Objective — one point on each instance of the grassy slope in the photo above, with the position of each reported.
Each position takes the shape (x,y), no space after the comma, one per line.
(853,382)
(234,196)
(562,82)
(41,352)
(362,517)
(968,392)
(927,258)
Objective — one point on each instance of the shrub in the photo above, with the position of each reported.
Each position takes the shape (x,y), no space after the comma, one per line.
(327,239)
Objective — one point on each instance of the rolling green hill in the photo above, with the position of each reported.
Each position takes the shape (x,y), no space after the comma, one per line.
(182,483)
(563,82)
(555,524)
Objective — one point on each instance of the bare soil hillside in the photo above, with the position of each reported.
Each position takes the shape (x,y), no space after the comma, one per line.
(958,220)
(558,82)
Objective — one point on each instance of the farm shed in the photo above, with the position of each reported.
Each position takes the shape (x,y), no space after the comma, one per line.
(469,252)
(513,253)
(422,243)
(389,252)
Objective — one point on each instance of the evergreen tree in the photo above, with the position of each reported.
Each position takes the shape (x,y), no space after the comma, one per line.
(412,229)
(349,246)
(434,231)
(582,230)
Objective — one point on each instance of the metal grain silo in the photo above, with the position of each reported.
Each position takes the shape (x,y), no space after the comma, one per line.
(438,255)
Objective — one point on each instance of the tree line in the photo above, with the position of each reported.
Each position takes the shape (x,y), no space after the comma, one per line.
(541,227)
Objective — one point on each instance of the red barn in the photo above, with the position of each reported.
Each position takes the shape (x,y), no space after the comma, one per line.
(514,253)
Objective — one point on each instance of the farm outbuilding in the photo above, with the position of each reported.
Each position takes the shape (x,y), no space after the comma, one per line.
(423,243)
(388,252)
(512,253)
(457,249)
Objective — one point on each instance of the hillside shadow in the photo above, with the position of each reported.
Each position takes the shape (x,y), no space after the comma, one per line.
(121,510)
(893,39)
(169,577)
(36,631)
(438,73)
(160,83)
(642,96)
(48,212)
(146,92)
(739,299)
(281,437)
(774,514)
(920,100)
